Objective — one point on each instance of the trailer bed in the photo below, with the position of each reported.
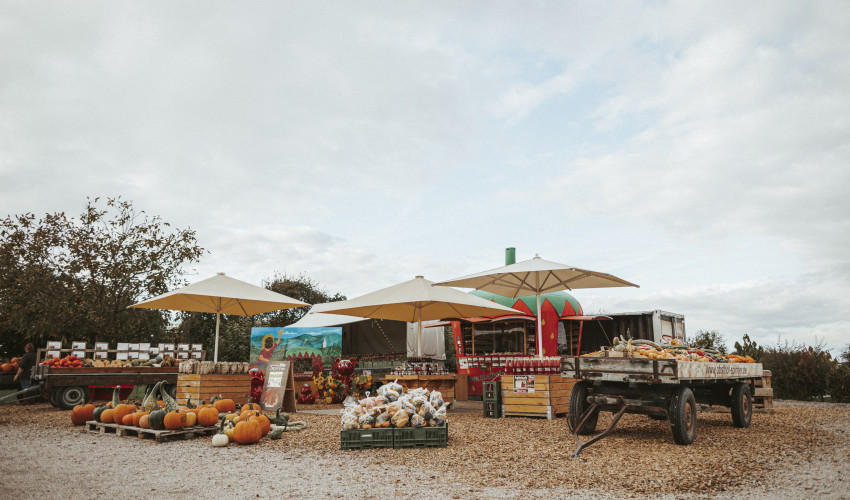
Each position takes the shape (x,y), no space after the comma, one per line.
(654,371)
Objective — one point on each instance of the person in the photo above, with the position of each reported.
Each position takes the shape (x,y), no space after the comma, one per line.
(25,366)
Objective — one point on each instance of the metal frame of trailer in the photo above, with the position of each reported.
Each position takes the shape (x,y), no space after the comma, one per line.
(663,389)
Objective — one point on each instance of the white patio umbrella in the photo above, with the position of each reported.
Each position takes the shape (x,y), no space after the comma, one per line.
(535,277)
(222,295)
(416,301)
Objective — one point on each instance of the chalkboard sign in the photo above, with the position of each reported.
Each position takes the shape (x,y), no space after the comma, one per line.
(279,387)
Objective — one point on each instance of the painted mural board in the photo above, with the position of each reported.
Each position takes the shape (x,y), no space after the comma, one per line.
(320,344)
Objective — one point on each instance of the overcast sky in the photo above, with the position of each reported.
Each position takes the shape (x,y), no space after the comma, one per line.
(701,150)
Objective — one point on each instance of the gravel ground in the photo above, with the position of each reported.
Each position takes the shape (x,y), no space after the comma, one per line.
(801,451)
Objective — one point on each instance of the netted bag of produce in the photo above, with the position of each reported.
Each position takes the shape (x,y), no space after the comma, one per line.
(440,418)
(349,420)
(417,421)
(382,420)
(425,411)
(419,391)
(366,421)
(419,401)
(436,399)
(400,419)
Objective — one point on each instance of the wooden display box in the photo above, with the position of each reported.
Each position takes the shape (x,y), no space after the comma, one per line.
(549,396)
(763,393)
(203,387)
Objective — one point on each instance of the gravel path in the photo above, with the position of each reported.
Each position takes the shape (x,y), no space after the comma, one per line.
(801,451)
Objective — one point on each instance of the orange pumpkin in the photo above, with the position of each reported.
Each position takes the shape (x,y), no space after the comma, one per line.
(247,432)
(6,367)
(107,416)
(175,420)
(143,422)
(250,406)
(82,414)
(265,423)
(207,416)
(225,405)
(128,419)
(122,411)
(137,417)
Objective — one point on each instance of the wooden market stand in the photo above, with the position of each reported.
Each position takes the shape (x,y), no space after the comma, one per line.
(202,387)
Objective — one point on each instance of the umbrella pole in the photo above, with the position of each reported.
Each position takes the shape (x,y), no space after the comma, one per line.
(419,336)
(215,356)
(539,329)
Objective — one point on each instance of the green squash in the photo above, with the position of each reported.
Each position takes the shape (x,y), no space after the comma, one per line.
(156,419)
(170,404)
(149,404)
(97,411)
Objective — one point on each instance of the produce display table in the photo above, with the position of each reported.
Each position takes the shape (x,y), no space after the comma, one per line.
(204,386)
(452,386)
(536,395)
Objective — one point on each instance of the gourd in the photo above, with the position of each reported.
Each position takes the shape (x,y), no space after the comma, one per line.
(98,412)
(156,418)
(250,406)
(149,403)
(280,419)
(120,410)
(82,414)
(220,439)
(189,404)
(107,415)
(247,432)
(208,416)
(191,419)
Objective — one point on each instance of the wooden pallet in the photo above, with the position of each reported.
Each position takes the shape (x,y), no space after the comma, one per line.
(763,393)
(551,397)
(203,387)
(157,436)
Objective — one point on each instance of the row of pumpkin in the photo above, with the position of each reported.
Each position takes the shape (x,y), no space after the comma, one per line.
(247,425)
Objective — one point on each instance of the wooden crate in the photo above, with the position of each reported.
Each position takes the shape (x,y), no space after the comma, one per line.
(763,393)
(204,387)
(551,397)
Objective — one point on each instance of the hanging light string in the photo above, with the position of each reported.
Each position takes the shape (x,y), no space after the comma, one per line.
(384,333)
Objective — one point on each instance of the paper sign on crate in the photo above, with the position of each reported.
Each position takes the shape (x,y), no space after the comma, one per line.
(100,355)
(182,347)
(123,346)
(54,344)
(79,354)
(197,347)
(78,345)
(101,346)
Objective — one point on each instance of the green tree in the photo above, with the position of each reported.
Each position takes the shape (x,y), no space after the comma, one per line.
(299,287)
(749,348)
(72,279)
(710,339)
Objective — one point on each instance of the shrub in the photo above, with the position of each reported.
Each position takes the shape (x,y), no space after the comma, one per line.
(839,379)
(798,372)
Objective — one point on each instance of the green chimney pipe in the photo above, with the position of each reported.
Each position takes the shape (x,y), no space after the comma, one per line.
(510,256)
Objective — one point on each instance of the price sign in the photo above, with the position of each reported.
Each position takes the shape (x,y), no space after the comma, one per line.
(279,387)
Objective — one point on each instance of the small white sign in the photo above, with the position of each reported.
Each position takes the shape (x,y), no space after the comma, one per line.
(79,354)
(183,355)
(166,347)
(121,355)
(54,344)
(197,347)
(145,346)
(144,355)
(134,346)
(133,354)
(78,345)
(123,346)
(100,355)
(53,354)
(101,346)
(196,355)
(154,351)
(182,347)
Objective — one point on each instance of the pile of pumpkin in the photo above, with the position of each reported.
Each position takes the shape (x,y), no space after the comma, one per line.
(245,425)
(11,366)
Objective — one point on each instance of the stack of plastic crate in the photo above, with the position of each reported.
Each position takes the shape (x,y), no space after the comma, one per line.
(493,399)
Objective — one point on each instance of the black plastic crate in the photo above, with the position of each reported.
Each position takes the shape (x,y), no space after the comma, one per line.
(423,437)
(492,409)
(366,439)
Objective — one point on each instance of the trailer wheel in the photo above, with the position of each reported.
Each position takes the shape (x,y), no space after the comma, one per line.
(742,405)
(69,397)
(683,415)
(53,396)
(171,390)
(578,405)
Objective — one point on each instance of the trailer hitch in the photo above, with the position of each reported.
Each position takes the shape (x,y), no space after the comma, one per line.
(17,396)
(595,402)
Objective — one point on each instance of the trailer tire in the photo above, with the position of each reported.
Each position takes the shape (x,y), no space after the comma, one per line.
(53,396)
(171,390)
(742,405)
(71,396)
(683,415)
(578,405)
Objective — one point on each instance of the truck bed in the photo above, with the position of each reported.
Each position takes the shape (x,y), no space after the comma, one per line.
(654,371)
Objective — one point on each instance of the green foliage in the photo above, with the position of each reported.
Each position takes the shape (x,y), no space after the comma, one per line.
(839,379)
(798,372)
(451,360)
(749,348)
(72,279)
(710,339)
(299,287)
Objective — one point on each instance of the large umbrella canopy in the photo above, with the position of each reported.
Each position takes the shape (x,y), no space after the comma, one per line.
(222,295)
(415,301)
(534,277)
